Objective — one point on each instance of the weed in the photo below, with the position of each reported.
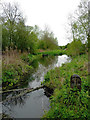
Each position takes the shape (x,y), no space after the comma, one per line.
(66,102)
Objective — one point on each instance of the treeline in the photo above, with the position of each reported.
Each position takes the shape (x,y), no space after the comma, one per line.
(79,30)
(16,35)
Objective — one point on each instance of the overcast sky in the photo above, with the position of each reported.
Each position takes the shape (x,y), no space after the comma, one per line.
(53,13)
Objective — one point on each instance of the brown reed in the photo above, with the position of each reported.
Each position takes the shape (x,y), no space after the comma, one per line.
(12,56)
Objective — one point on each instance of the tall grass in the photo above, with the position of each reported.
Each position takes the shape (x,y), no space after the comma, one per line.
(12,56)
(13,68)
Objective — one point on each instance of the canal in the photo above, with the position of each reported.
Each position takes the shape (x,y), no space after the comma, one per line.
(34,104)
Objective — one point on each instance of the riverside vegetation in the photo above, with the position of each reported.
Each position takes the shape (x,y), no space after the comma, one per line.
(67,103)
(13,69)
(64,102)
(22,44)
(16,66)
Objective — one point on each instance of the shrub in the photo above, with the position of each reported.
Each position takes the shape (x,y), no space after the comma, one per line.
(76,48)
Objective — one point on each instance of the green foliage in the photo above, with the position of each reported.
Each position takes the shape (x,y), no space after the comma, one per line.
(64,47)
(53,52)
(29,58)
(21,36)
(69,104)
(79,25)
(48,41)
(79,29)
(65,102)
(47,60)
(76,48)
(9,75)
(14,32)
(32,42)
(12,74)
(12,22)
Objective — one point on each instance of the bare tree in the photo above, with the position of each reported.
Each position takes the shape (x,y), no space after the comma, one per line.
(10,12)
(79,25)
(10,17)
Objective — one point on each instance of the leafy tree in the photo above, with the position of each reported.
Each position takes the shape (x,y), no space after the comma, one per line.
(79,25)
(32,42)
(21,36)
(14,31)
(48,41)
(79,28)
(76,48)
(10,17)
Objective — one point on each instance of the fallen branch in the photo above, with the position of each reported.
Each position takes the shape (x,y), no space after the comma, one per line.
(13,90)
(28,90)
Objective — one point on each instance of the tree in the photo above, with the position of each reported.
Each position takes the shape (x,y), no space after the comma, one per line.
(79,28)
(48,41)
(79,22)
(32,42)
(76,48)
(21,36)
(13,27)
(9,17)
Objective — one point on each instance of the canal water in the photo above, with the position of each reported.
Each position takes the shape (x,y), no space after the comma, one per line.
(34,104)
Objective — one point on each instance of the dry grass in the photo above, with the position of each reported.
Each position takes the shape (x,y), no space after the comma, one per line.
(11,56)
(13,68)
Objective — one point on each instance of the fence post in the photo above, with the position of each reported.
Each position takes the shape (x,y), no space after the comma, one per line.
(75,82)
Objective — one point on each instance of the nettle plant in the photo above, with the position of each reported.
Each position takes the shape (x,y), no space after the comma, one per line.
(74,99)
(69,103)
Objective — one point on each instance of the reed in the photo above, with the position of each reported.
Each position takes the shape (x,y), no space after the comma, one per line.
(12,56)
(13,68)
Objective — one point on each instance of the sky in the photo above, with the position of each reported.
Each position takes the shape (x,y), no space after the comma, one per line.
(51,13)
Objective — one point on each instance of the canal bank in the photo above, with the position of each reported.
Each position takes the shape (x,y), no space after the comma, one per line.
(66,102)
(33,105)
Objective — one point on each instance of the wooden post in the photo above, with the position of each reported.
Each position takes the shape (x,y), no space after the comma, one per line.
(75,82)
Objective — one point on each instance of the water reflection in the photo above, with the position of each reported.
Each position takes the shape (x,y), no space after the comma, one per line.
(33,105)
(8,103)
(48,60)
(46,63)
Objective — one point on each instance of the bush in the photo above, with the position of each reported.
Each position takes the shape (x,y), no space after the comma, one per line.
(76,48)
(13,70)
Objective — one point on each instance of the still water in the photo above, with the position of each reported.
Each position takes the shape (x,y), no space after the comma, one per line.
(33,105)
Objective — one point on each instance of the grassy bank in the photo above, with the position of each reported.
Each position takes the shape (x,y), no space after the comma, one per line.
(52,52)
(15,67)
(64,102)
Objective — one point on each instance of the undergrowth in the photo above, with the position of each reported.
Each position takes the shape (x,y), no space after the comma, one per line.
(53,52)
(65,102)
(14,68)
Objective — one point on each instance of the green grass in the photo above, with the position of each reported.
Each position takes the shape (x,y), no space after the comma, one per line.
(12,74)
(29,58)
(16,69)
(53,52)
(64,102)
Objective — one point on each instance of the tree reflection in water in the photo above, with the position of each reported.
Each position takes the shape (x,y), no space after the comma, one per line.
(48,60)
(8,103)
(28,101)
